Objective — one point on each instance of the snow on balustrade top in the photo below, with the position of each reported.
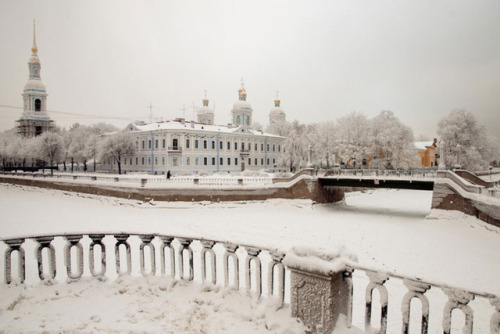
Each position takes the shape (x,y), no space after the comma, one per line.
(318,260)
(181,125)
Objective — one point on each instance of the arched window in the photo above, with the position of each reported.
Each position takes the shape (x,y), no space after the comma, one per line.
(238,120)
(38,105)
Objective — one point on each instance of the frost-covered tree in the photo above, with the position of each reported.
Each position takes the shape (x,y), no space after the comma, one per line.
(279,128)
(295,147)
(465,141)
(117,147)
(392,142)
(352,139)
(325,143)
(51,147)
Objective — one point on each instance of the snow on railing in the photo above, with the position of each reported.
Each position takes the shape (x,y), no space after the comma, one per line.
(318,296)
(383,173)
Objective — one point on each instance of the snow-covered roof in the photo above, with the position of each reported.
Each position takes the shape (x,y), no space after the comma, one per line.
(179,125)
(422,145)
(242,105)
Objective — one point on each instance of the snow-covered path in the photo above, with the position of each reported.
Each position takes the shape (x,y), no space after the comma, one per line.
(388,229)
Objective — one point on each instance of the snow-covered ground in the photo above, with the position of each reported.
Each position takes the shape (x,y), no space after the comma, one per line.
(388,229)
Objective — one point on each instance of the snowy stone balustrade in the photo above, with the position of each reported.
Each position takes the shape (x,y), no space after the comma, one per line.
(321,285)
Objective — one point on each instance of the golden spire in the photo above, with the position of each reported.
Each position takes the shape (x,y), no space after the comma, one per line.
(34,48)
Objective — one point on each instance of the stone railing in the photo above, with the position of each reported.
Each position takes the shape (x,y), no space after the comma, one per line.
(381,173)
(321,290)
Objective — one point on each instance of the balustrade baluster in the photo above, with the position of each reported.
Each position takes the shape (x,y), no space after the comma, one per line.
(167,243)
(207,248)
(416,290)
(230,253)
(185,246)
(74,241)
(45,242)
(14,245)
(253,254)
(277,259)
(350,286)
(121,239)
(97,240)
(458,300)
(377,281)
(146,241)
(495,317)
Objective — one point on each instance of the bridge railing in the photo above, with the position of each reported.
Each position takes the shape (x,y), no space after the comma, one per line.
(381,173)
(261,271)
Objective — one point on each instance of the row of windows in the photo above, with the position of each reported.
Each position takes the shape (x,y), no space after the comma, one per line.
(176,161)
(206,145)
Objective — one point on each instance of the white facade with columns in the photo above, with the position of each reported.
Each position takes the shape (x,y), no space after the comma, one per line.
(197,147)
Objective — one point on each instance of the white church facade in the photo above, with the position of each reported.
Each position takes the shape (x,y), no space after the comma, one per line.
(203,147)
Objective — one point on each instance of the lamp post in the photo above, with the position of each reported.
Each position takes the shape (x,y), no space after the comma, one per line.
(490,168)
(442,165)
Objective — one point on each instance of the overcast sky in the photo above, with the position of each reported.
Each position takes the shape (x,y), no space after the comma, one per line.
(420,59)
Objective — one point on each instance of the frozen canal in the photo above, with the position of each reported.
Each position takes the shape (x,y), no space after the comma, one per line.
(393,230)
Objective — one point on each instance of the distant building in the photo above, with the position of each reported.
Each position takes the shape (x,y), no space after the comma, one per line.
(202,146)
(426,153)
(277,114)
(34,120)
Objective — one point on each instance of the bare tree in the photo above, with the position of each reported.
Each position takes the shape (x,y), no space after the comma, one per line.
(117,147)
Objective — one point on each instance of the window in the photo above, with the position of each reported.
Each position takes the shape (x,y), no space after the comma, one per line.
(268,161)
(130,161)
(38,105)
(274,161)
(156,160)
(196,144)
(149,161)
(236,161)
(175,143)
(163,161)
(149,143)
(262,161)
(249,161)
(187,143)
(205,161)
(213,161)
(267,147)
(143,144)
(235,146)
(205,144)
(221,161)
(255,146)
(143,161)
(163,143)
(228,145)
(221,145)
(279,148)
(156,143)
(196,161)
(213,145)
(137,145)
(136,161)
(256,162)
(242,146)
(175,161)
(274,148)
(188,161)
(261,147)
(238,120)
(125,162)
(229,161)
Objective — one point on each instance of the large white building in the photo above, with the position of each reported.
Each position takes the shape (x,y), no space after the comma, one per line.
(196,147)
